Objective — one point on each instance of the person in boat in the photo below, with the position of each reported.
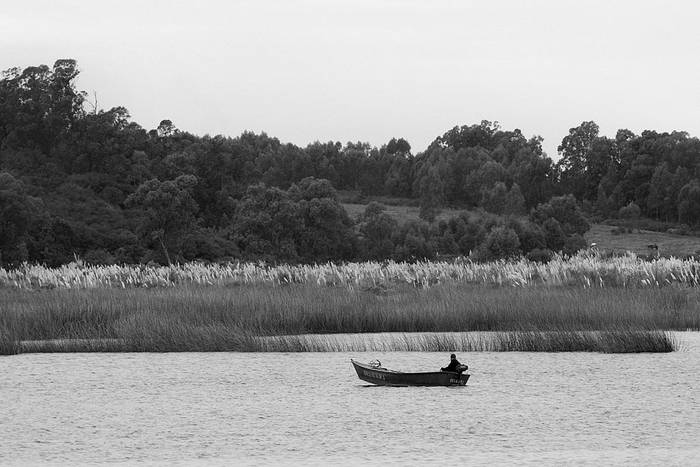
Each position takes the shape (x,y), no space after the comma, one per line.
(454,365)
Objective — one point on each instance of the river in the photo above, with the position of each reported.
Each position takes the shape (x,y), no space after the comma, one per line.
(274,408)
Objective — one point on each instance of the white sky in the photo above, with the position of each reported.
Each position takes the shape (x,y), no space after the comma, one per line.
(368,69)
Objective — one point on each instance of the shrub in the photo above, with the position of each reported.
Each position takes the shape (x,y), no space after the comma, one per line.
(414,240)
(566,211)
(540,255)
(574,243)
(501,242)
(99,257)
(428,212)
(631,211)
(554,234)
(531,235)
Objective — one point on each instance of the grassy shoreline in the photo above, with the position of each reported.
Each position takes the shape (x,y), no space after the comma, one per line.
(210,318)
(620,341)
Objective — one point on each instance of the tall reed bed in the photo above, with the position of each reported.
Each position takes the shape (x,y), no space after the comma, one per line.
(212,340)
(618,341)
(192,318)
(587,269)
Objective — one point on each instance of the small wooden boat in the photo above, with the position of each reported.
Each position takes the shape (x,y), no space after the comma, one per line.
(376,374)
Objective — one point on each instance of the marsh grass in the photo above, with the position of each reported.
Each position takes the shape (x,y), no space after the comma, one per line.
(587,269)
(9,342)
(265,317)
(511,341)
(620,341)
(72,345)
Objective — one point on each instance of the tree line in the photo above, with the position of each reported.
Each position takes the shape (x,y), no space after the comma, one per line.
(78,180)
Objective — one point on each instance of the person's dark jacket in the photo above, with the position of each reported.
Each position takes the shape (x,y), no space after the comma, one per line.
(454,364)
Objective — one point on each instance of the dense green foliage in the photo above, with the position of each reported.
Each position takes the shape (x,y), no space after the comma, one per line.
(97,185)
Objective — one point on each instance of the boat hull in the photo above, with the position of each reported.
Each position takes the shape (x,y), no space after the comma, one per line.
(384,377)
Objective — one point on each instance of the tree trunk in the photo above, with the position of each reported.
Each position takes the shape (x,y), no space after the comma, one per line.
(165,251)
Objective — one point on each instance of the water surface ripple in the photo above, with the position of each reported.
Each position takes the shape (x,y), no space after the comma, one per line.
(272,408)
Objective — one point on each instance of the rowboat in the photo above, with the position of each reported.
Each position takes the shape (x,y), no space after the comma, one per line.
(376,374)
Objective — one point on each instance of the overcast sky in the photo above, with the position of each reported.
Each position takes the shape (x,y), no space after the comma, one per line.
(369,70)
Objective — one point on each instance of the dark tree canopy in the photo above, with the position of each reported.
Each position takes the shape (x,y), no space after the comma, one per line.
(95,184)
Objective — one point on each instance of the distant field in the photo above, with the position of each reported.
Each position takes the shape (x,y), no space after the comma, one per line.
(400,213)
(669,244)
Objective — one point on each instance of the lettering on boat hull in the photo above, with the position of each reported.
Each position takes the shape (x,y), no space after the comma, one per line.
(375,375)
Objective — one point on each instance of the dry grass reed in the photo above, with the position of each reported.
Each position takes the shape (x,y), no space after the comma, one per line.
(587,269)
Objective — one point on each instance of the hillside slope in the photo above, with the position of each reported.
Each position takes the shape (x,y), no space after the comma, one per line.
(601,234)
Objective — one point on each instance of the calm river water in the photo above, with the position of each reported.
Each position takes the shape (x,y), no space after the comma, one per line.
(237,408)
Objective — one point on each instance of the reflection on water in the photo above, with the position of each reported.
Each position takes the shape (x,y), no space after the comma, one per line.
(311,408)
